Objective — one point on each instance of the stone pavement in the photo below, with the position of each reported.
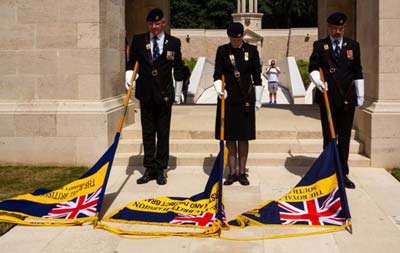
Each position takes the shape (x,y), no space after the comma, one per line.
(374,205)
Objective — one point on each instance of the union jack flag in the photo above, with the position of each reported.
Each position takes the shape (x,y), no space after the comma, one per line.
(84,205)
(312,212)
(204,220)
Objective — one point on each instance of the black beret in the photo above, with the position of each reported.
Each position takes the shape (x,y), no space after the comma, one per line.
(235,30)
(337,18)
(155,15)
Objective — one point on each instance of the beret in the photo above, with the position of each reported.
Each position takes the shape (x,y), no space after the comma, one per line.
(155,15)
(235,30)
(337,18)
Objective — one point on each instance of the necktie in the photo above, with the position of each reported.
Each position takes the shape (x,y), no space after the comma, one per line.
(156,49)
(337,48)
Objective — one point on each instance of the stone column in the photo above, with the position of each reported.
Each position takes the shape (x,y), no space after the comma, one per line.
(238,6)
(251,7)
(256,6)
(243,6)
(378,122)
(61,80)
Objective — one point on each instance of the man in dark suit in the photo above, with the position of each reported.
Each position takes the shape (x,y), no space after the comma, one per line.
(157,53)
(339,58)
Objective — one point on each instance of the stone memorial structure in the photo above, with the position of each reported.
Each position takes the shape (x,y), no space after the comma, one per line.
(62,69)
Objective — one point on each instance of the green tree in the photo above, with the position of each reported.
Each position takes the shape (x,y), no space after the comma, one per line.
(216,14)
(211,14)
(289,13)
(219,12)
(185,14)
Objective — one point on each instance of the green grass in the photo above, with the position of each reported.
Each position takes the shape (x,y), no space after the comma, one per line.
(20,180)
(396,173)
(303,68)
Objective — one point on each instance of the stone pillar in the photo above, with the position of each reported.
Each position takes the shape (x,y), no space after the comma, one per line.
(251,7)
(238,6)
(61,80)
(378,123)
(243,6)
(256,6)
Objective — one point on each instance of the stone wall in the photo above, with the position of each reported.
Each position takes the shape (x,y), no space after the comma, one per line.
(201,42)
(61,75)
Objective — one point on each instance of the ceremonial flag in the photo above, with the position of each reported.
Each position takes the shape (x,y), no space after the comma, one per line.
(75,203)
(319,199)
(203,210)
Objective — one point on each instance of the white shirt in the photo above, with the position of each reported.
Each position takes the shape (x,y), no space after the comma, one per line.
(160,41)
(272,74)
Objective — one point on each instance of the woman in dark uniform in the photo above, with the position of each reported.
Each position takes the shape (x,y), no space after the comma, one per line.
(239,62)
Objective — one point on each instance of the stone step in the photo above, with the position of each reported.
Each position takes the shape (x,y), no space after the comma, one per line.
(134,133)
(254,159)
(209,146)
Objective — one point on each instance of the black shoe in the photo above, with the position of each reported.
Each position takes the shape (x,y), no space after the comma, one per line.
(230,179)
(348,183)
(161,178)
(147,176)
(242,178)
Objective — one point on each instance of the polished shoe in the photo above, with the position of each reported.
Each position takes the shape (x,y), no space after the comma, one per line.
(348,183)
(147,176)
(230,179)
(242,178)
(161,178)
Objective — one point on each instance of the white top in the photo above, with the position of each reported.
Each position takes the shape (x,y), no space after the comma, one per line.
(272,74)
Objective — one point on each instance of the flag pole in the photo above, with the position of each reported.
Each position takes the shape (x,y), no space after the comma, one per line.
(327,106)
(117,135)
(339,171)
(222,132)
(127,97)
(222,149)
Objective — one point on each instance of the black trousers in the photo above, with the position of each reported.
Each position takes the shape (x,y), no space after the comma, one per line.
(156,121)
(343,123)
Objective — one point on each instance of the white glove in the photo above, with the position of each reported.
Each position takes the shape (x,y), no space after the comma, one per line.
(178,91)
(218,89)
(316,79)
(128,77)
(360,91)
(259,92)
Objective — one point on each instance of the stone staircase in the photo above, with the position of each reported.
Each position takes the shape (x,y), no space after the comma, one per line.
(287,135)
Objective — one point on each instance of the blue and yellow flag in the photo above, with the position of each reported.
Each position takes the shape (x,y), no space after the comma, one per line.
(203,210)
(319,199)
(75,203)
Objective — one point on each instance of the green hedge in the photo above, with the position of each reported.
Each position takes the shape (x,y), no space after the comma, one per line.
(303,68)
(190,63)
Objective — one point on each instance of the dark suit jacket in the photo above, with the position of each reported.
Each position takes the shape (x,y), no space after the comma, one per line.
(347,68)
(149,87)
(248,64)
